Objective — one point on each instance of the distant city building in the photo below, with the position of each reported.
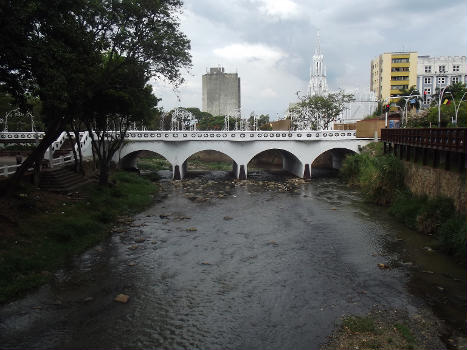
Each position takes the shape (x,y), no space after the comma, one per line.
(393,72)
(221,92)
(438,72)
(364,105)
(318,82)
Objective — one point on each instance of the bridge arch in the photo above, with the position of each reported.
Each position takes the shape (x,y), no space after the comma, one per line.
(211,155)
(130,160)
(290,162)
(331,158)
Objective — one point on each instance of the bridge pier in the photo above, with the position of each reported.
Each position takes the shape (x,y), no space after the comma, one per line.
(239,171)
(292,164)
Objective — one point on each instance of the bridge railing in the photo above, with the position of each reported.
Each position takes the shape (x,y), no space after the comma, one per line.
(240,135)
(446,139)
(23,137)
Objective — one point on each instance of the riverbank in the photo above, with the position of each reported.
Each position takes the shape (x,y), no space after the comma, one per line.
(42,231)
(387,329)
(381,178)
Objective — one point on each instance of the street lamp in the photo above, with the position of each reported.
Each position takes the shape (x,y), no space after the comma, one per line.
(439,105)
(456,108)
(407,99)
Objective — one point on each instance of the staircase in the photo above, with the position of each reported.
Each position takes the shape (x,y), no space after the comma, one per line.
(65,148)
(61,180)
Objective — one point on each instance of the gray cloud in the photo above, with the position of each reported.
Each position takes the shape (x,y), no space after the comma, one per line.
(352,33)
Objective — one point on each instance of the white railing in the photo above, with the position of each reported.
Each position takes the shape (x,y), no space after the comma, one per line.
(8,170)
(18,137)
(240,135)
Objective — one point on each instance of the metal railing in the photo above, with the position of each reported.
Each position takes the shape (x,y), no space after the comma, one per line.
(449,139)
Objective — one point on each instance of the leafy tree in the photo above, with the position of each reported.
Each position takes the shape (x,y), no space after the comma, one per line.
(318,112)
(44,51)
(121,98)
(53,50)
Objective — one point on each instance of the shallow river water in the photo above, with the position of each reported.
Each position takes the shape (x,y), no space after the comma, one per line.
(269,263)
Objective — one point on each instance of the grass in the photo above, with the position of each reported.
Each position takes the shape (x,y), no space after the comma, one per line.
(47,237)
(204,165)
(381,179)
(153,164)
(373,332)
(357,324)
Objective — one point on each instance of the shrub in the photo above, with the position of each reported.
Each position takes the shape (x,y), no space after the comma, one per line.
(452,236)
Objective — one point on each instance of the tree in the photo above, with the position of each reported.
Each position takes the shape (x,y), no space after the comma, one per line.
(122,98)
(318,112)
(45,50)
(53,50)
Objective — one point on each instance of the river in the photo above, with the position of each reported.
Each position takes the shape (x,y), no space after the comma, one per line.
(268,263)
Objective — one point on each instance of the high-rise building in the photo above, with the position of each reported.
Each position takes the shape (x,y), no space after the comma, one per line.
(438,72)
(393,72)
(318,82)
(221,92)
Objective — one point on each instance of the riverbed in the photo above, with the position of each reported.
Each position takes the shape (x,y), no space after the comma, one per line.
(269,263)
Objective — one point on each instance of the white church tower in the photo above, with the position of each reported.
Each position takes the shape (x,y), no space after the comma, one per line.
(318,83)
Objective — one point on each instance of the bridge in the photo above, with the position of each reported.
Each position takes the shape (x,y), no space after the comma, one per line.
(299,149)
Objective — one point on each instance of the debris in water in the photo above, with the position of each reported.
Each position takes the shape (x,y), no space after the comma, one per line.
(122,298)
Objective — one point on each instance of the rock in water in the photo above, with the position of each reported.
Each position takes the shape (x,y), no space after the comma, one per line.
(122,298)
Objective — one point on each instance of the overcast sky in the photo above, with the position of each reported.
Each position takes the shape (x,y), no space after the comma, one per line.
(270,43)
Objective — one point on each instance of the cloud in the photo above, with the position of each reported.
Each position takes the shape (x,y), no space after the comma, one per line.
(279,9)
(270,43)
(268,92)
(250,52)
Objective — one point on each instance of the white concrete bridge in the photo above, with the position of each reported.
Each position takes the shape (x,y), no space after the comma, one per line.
(299,149)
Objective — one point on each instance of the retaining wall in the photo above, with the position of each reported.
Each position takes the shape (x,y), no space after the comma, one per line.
(434,182)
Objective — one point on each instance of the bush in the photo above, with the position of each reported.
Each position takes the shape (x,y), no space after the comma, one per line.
(406,208)
(378,175)
(452,236)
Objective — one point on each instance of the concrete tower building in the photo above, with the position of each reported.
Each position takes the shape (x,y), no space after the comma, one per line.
(221,92)
(318,83)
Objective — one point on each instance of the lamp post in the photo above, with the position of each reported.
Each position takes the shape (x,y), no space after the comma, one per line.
(407,99)
(439,105)
(456,107)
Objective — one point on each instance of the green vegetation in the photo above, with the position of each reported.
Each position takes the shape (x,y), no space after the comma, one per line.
(359,324)
(405,332)
(386,329)
(204,165)
(153,164)
(381,179)
(50,232)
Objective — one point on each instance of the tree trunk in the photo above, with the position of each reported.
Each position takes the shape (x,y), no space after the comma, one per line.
(103,172)
(80,153)
(36,156)
(75,156)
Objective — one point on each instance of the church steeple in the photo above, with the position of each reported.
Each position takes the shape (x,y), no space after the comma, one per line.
(318,83)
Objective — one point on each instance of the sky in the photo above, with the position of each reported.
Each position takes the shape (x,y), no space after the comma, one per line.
(270,44)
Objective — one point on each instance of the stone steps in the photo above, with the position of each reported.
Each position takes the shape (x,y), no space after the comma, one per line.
(61,180)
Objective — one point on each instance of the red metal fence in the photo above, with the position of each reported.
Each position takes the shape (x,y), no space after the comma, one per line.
(449,139)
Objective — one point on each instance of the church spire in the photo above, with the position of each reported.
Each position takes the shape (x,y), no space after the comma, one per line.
(318,83)
(317,48)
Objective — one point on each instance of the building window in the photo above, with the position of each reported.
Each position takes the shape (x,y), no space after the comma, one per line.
(442,69)
(454,80)
(399,87)
(427,91)
(427,80)
(399,69)
(455,68)
(400,60)
(441,80)
(427,69)
(400,78)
